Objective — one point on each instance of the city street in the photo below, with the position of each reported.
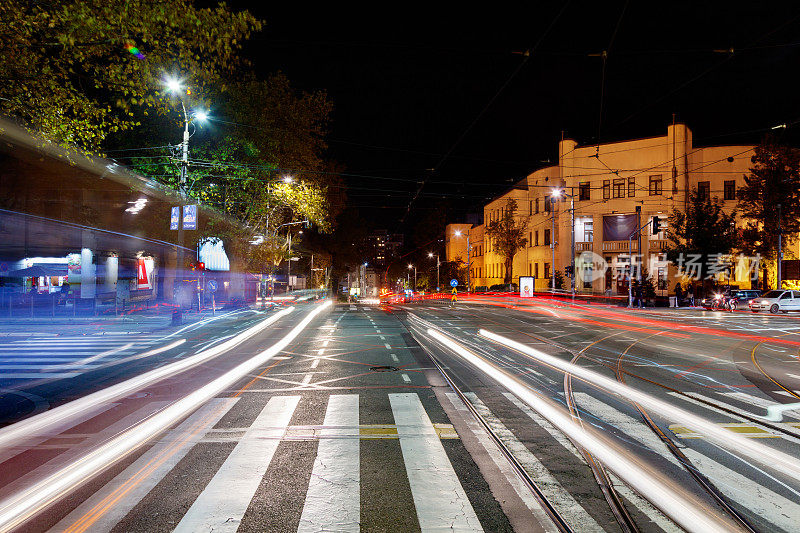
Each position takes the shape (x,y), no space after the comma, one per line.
(338,418)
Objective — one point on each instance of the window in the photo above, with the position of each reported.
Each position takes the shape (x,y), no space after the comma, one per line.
(530,207)
(704,190)
(530,239)
(587,276)
(631,186)
(536,270)
(536,237)
(655,185)
(548,205)
(730,190)
(583,191)
(547,237)
(536,205)
(547,270)
(588,231)
(606,189)
(619,188)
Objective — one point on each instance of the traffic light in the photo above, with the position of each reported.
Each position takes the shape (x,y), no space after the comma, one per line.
(656,226)
(201,265)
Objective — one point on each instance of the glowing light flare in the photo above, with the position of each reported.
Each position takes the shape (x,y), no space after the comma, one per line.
(671,499)
(15,510)
(39,424)
(735,443)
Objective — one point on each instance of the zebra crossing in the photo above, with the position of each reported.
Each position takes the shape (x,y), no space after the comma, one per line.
(64,357)
(333,493)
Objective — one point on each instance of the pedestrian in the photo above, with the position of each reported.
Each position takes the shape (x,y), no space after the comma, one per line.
(690,294)
(678,294)
(640,294)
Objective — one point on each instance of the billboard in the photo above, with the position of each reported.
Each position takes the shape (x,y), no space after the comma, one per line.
(526,286)
(175,218)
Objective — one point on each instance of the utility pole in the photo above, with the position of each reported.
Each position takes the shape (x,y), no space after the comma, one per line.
(553,242)
(780,247)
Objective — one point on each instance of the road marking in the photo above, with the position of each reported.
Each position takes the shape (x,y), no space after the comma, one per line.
(321,351)
(406,378)
(568,507)
(105,508)
(307,378)
(440,500)
(395,359)
(377,331)
(387,346)
(795,376)
(315,363)
(381,337)
(333,500)
(769,505)
(325,343)
(34,375)
(221,506)
(755,401)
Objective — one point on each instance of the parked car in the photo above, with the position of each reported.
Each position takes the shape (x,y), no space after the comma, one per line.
(777,300)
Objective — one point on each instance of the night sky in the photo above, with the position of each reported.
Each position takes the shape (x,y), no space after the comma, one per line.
(417,91)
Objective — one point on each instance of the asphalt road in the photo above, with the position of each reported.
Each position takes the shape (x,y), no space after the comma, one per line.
(336,418)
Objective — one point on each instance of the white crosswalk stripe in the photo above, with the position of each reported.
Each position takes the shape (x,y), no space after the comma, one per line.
(221,506)
(439,498)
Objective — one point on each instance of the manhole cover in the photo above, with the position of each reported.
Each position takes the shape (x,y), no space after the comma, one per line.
(386,368)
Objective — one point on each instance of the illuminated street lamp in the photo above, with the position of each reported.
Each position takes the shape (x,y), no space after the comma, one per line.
(431,254)
(410,266)
(288,179)
(558,193)
(469,261)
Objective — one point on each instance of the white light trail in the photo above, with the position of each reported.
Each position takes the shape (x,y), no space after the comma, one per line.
(721,436)
(15,510)
(36,425)
(670,499)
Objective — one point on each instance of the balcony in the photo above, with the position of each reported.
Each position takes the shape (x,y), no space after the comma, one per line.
(583,247)
(619,246)
(658,245)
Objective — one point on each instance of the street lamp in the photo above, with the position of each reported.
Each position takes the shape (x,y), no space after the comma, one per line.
(457,233)
(557,193)
(174,86)
(430,254)
(287,179)
(410,266)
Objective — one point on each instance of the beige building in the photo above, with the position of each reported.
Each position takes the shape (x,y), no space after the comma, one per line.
(616,189)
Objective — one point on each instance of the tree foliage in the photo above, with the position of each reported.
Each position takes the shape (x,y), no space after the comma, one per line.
(774,179)
(705,230)
(507,234)
(77,71)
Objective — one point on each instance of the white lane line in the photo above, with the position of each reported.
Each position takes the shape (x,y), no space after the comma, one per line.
(333,500)
(795,376)
(321,351)
(325,343)
(34,375)
(222,504)
(769,505)
(307,379)
(381,337)
(406,378)
(377,330)
(395,359)
(439,498)
(315,363)
(502,464)
(568,507)
(105,508)
(387,346)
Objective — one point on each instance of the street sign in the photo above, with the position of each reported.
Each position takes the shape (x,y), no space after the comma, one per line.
(175,218)
(453,282)
(190,217)
(212,285)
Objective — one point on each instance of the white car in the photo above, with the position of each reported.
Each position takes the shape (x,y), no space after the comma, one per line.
(774,301)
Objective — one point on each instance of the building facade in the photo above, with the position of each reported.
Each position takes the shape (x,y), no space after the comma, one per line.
(615,188)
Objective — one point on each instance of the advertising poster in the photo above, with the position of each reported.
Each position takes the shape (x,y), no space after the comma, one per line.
(175,218)
(526,286)
(144,273)
(190,217)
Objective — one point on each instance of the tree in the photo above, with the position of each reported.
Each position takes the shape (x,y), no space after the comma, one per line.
(77,71)
(702,233)
(507,234)
(774,180)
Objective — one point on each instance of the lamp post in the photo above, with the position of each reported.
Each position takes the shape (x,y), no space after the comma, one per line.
(410,266)
(556,194)
(430,254)
(469,261)
(175,87)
